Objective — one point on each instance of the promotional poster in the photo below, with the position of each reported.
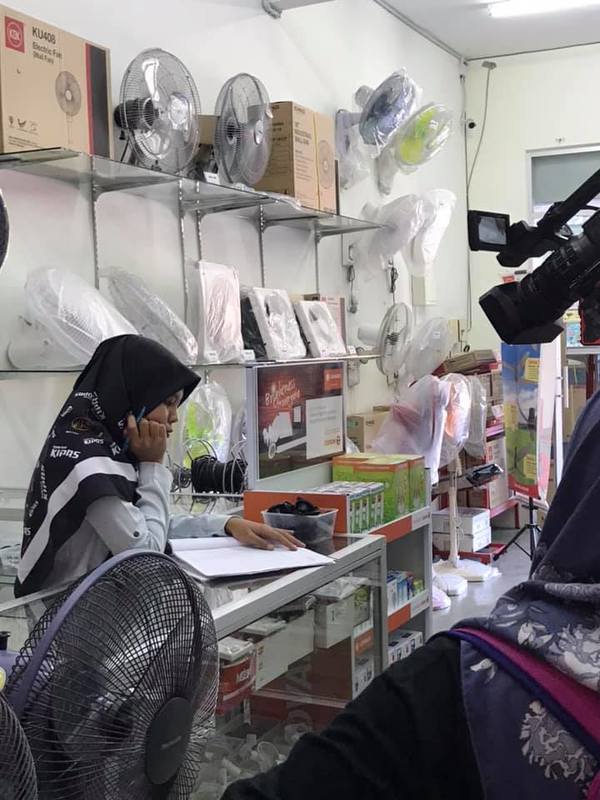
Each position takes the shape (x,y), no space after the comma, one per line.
(300,413)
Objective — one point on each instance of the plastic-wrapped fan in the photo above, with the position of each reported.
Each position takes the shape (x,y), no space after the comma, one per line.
(277,324)
(206,425)
(74,314)
(436,209)
(458,419)
(391,341)
(4,230)
(475,444)
(243,131)
(401,220)
(219,322)
(320,329)
(361,135)
(418,140)
(158,111)
(429,348)
(150,315)
(417,422)
(33,348)
(116,687)
(17,769)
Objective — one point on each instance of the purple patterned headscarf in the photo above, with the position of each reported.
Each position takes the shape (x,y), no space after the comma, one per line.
(522,750)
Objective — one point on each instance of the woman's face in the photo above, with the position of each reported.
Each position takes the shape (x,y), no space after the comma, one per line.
(166,412)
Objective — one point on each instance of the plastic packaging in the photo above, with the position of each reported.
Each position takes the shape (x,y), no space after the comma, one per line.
(458,418)
(431,343)
(475,444)
(320,329)
(416,423)
(75,314)
(387,107)
(277,324)
(150,315)
(312,530)
(435,213)
(219,322)
(206,424)
(401,220)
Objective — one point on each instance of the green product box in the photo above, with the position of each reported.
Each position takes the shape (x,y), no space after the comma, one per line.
(418,484)
(393,472)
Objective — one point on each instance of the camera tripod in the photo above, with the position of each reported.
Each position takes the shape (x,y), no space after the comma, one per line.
(530,527)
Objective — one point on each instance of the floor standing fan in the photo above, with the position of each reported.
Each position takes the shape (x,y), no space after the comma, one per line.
(17,770)
(116,687)
(158,111)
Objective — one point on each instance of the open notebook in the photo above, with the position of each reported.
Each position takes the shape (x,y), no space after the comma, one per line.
(218,557)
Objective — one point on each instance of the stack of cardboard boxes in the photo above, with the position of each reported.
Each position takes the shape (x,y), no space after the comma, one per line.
(474,530)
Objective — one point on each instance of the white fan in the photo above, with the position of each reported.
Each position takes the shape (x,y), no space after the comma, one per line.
(150,315)
(243,132)
(429,348)
(72,315)
(391,342)
(277,324)
(158,111)
(320,329)
(218,317)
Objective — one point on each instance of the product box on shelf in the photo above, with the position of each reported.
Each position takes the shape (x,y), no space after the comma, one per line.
(467,543)
(418,482)
(334,621)
(236,682)
(325,155)
(392,591)
(271,640)
(402,643)
(364,672)
(301,636)
(337,306)
(363,429)
(492,495)
(469,522)
(54,88)
(392,471)
(292,167)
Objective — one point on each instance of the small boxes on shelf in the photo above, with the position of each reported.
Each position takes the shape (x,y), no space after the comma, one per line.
(469,522)
(402,644)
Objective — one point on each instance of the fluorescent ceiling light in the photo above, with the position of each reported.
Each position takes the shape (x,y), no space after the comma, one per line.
(521,8)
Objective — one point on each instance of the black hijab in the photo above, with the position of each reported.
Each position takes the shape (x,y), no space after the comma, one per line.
(84,458)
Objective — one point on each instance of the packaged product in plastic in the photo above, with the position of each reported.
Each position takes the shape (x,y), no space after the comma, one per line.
(387,107)
(430,345)
(277,324)
(401,220)
(150,315)
(475,444)
(320,329)
(416,422)
(458,417)
(205,427)
(75,315)
(219,321)
(435,213)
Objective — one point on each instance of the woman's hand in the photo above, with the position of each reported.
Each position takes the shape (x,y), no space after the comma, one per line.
(147,441)
(255,534)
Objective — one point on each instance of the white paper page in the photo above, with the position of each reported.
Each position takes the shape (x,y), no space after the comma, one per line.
(223,563)
(203,543)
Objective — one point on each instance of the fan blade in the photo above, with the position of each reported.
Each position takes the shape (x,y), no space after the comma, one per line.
(150,69)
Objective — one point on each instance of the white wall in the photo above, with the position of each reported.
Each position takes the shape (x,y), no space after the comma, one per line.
(317,56)
(539,101)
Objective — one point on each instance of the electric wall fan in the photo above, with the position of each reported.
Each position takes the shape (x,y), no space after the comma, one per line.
(116,687)
(243,132)
(320,329)
(67,319)
(391,342)
(17,769)
(158,111)
(383,111)
(150,315)
(429,348)
(417,141)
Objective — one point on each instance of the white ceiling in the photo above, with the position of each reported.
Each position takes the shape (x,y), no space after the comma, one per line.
(466,27)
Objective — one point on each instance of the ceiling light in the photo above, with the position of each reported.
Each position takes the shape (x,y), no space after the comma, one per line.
(521,8)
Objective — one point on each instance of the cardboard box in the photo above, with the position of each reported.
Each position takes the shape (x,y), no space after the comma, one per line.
(337,306)
(491,496)
(334,622)
(392,471)
(271,648)
(470,521)
(325,155)
(363,429)
(301,636)
(292,167)
(401,644)
(466,544)
(496,387)
(418,483)
(54,89)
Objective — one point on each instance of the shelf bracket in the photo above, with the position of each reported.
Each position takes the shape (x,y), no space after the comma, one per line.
(275,8)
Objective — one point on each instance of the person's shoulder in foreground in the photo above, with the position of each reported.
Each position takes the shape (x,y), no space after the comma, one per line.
(405,737)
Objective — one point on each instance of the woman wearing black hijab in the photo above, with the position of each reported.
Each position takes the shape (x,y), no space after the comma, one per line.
(99,486)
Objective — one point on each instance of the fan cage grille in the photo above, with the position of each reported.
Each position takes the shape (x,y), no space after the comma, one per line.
(141,635)
(17,771)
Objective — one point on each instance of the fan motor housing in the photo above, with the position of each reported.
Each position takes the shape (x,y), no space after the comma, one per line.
(168,739)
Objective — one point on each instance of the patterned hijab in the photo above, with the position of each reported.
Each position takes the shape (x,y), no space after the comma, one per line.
(84,458)
(522,750)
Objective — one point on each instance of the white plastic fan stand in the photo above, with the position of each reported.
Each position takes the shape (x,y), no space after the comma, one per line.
(452,575)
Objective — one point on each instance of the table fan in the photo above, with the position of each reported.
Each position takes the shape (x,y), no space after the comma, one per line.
(116,686)
(383,110)
(17,770)
(244,129)
(158,111)
(391,342)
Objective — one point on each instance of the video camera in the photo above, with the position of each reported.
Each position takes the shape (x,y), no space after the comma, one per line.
(529,311)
